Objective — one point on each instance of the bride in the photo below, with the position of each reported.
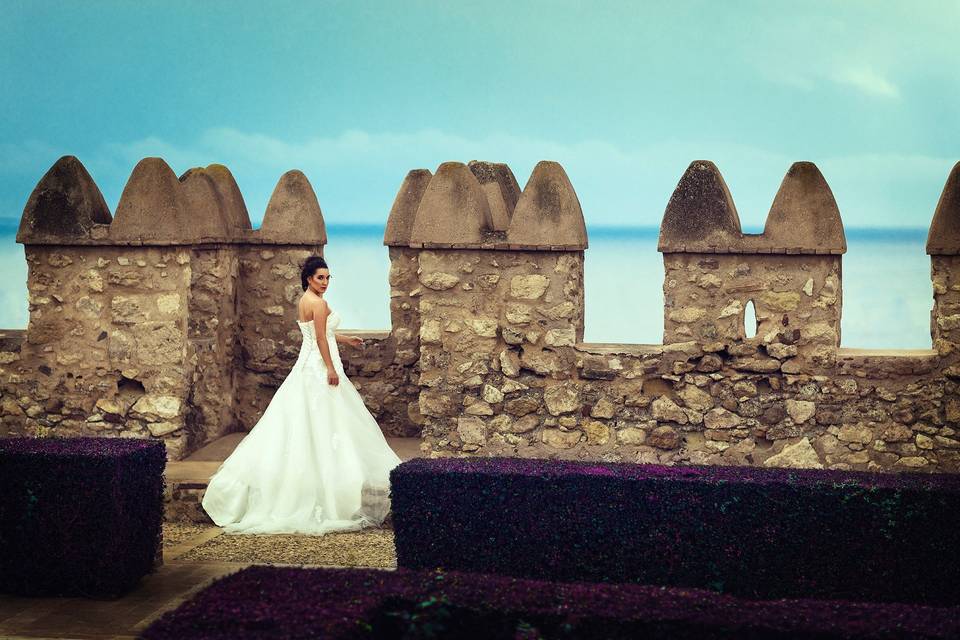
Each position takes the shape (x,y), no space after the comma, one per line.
(316,461)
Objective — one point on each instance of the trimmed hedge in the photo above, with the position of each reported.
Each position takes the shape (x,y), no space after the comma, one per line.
(284,602)
(79,516)
(753,532)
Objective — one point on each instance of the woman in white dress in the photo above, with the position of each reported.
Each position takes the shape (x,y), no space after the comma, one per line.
(316,461)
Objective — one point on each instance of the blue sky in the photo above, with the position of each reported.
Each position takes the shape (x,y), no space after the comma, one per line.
(623,94)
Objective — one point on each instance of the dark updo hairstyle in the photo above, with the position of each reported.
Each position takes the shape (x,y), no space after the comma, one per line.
(309,268)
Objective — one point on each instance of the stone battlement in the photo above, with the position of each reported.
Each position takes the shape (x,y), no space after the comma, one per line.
(480,206)
(172,319)
(203,206)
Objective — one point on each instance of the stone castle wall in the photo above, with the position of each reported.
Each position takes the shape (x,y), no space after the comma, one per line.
(504,371)
(172,318)
(485,355)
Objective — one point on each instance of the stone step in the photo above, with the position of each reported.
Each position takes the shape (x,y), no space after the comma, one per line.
(187,478)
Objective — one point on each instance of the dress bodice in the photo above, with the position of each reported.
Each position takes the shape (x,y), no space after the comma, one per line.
(309,329)
(309,356)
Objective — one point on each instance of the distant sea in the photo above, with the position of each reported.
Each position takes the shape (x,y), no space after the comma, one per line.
(887,295)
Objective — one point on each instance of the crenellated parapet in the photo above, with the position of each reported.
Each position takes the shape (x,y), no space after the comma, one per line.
(485,279)
(203,206)
(480,206)
(152,321)
(789,274)
(701,216)
(141,327)
(503,369)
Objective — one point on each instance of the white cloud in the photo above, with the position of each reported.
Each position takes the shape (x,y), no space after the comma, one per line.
(867,80)
(859,45)
(356,173)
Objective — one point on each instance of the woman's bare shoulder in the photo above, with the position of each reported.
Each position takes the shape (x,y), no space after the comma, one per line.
(318,306)
(311,306)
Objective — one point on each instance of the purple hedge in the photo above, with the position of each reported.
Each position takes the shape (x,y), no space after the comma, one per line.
(79,516)
(284,602)
(753,532)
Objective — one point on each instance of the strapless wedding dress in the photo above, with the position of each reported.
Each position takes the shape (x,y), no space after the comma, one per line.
(315,462)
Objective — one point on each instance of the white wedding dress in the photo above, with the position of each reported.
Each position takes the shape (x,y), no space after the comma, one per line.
(315,462)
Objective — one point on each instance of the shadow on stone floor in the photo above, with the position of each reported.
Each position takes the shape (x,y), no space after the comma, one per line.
(194,556)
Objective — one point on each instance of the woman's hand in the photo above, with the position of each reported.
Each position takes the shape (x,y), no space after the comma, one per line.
(333,379)
(353,341)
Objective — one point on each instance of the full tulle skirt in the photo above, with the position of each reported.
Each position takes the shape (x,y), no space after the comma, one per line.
(315,462)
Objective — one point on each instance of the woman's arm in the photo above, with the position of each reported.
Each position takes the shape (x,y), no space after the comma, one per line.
(320,314)
(353,341)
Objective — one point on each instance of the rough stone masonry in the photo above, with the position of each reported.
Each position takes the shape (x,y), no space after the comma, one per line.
(173,320)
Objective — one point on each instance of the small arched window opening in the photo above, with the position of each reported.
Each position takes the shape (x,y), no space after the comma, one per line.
(749,320)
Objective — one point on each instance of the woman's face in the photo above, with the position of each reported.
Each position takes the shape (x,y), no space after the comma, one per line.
(320,279)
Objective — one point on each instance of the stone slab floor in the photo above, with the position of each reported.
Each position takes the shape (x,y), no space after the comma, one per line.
(193,556)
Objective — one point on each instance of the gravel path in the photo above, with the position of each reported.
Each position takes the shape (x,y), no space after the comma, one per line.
(176,532)
(365,548)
